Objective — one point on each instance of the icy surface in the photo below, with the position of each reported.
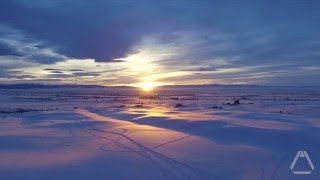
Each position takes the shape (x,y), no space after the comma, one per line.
(170,133)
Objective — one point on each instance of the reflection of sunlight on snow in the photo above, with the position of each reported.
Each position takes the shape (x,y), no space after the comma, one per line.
(168,112)
(207,115)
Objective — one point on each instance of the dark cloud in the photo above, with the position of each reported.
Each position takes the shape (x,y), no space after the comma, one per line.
(115,70)
(7,50)
(102,31)
(76,70)
(45,59)
(86,74)
(275,34)
(201,69)
(107,30)
(118,60)
(14,71)
(56,72)
(59,75)
(14,74)
(23,76)
(51,69)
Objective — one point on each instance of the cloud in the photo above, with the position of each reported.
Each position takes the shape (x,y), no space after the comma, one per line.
(117,60)
(51,69)
(86,74)
(14,75)
(76,70)
(45,58)
(94,35)
(7,50)
(14,42)
(148,38)
(201,69)
(115,70)
(57,72)
(59,75)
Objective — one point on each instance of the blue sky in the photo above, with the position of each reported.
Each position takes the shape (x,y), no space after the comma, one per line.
(127,42)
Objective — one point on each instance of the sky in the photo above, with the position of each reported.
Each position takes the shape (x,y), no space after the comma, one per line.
(176,42)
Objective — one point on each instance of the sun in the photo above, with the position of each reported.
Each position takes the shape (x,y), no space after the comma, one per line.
(147,86)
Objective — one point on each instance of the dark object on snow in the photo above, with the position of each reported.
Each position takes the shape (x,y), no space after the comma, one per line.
(122,106)
(175,98)
(216,107)
(236,102)
(21,110)
(178,105)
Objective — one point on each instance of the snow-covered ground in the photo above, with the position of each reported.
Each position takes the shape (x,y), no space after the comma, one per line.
(170,133)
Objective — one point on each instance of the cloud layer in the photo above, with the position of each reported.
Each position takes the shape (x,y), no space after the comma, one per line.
(173,42)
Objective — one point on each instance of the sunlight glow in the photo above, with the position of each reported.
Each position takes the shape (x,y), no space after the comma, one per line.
(147,86)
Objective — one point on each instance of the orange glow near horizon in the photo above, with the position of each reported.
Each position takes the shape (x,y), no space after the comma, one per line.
(147,86)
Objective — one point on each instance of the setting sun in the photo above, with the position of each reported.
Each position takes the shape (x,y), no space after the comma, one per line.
(148,86)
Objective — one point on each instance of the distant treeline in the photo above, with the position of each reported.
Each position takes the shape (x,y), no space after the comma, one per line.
(36,86)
